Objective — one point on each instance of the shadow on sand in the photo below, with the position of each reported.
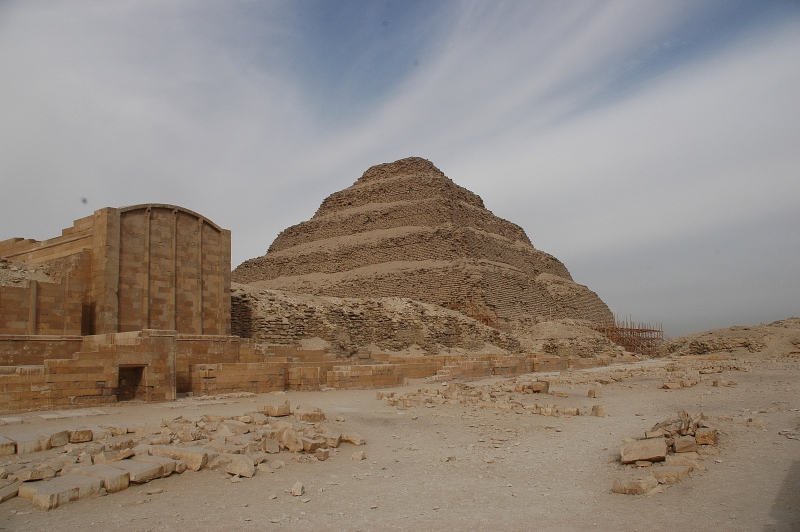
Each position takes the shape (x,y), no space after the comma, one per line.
(786,509)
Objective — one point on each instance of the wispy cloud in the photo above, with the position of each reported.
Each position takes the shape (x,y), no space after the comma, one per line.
(610,131)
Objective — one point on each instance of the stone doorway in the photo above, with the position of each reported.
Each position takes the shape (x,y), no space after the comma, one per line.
(131,383)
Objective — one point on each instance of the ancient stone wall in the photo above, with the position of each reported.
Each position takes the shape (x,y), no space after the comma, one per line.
(394,324)
(127,269)
(444,243)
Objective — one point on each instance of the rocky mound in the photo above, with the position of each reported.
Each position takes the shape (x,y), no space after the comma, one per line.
(780,338)
(405,230)
(349,326)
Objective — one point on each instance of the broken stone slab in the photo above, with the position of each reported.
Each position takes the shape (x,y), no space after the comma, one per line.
(140,472)
(116,430)
(277,410)
(7,446)
(30,474)
(241,465)
(316,416)
(358,455)
(354,438)
(685,460)
(114,479)
(58,437)
(540,387)
(634,486)
(236,428)
(30,443)
(310,445)
(292,441)
(298,489)
(653,450)
(9,491)
(81,435)
(332,439)
(168,465)
(593,392)
(194,459)
(672,386)
(322,454)
(599,410)
(270,445)
(52,493)
(685,444)
(705,436)
(670,474)
(108,457)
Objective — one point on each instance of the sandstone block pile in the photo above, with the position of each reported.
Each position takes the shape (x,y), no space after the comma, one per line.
(60,466)
(670,450)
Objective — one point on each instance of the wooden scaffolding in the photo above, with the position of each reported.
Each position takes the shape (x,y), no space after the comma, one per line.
(639,338)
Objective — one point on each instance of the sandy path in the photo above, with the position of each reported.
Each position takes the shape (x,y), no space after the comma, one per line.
(542,473)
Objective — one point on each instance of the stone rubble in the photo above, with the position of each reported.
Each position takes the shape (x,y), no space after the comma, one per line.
(59,466)
(677,442)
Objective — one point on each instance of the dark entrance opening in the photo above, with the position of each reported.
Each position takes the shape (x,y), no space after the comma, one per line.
(130,383)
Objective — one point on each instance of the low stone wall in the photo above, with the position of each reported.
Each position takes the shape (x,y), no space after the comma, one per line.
(91,376)
(33,350)
(256,377)
(365,376)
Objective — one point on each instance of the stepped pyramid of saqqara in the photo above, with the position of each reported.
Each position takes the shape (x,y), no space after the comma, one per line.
(406,230)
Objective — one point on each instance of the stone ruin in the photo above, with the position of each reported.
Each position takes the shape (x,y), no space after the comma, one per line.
(405,230)
(137,303)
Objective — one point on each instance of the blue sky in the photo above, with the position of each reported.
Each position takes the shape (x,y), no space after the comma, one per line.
(653,147)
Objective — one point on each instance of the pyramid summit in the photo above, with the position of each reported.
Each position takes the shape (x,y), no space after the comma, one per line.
(404,229)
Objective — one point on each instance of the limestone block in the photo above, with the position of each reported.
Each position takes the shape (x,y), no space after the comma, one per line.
(118,443)
(7,446)
(653,450)
(32,473)
(599,410)
(140,472)
(270,445)
(58,437)
(236,427)
(9,491)
(114,479)
(322,454)
(194,459)
(30,443)
(684,459)
(354,438)
(312,444)
(358,455)
(685,444)
(168,465)
(292,441)
(49,494)
(593,392)
(658,433)
(241,465)
(706,436)
(634,487)
(332,439)
(298,489)
(116,430)
(277,410)
(540,387)
(81,435)
(670,474)
(311,417)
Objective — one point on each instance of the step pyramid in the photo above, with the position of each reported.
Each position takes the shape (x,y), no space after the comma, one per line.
(404,229)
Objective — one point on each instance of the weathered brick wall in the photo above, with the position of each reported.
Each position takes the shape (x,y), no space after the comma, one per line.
(364,376)
(91,376)
(426,212)
(443,243)
(174,271)
(33,350)
(260,377)
(273,317)
(48,307)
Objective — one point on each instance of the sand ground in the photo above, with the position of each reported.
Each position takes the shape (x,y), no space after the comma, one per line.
(530,472)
